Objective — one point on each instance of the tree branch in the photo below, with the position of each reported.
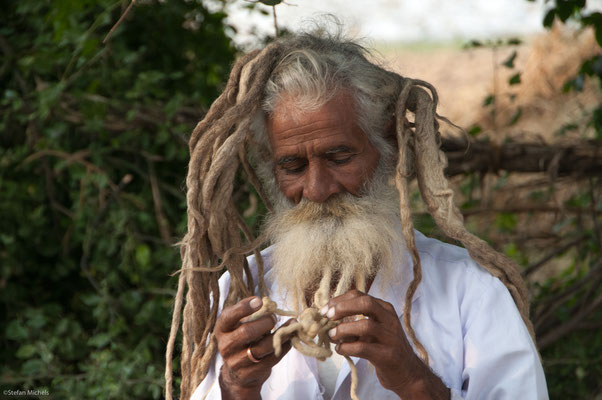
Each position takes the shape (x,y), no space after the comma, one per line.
(582,159)
(567,327)
(534,267)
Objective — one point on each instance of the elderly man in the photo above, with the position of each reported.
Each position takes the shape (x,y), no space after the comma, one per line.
(330,141)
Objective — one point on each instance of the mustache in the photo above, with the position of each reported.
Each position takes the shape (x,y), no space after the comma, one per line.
(336,208)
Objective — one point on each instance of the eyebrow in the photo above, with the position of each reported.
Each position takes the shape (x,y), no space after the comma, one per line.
(286,160)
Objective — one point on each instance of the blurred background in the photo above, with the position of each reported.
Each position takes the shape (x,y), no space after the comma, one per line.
(93,157)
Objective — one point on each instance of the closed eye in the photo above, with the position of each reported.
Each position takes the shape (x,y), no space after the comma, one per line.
(293,169)
(292,165)
(341,161)
(339,155)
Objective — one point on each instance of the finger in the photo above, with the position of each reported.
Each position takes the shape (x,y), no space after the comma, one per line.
(251,332)
(230,317)
(386,305)
(369,351)
(230,343)
(366,305)
(252,373)
(352,294)
(263,348)
(365,330)
(272,359)
(262,351)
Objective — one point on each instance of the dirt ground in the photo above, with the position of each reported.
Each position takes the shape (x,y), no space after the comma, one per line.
(465,77)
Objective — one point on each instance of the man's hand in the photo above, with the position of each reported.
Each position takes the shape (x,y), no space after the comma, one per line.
(381,340)
(240,377)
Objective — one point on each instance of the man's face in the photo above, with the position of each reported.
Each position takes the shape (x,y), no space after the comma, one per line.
(320,153)
(339,224)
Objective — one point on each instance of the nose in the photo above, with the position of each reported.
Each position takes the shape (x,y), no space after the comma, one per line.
(319,183)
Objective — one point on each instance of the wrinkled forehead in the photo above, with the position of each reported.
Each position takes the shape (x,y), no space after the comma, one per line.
(296,107)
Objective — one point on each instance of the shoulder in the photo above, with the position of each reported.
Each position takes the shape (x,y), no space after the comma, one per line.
(449,268)
(459,287)
(468,314)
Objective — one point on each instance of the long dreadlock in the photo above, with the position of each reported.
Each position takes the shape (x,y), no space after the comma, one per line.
(220,145)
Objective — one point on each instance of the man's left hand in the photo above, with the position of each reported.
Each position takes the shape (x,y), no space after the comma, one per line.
(380,339)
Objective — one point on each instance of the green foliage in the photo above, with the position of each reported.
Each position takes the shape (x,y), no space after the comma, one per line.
(93,157)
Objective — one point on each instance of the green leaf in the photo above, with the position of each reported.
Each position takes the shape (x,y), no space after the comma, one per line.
(36,318)
(473,44)
(16,331)
(26,351)
(475,130)
(509,63)
(574,84)
(568,127)
(506,222)
(516,116)
(142,255)
(548,20)
(32,367)
(595,20)
(489,100)
(512,251)
(62,326)
(100,340)
(270,2)
(514,79)
(564,9)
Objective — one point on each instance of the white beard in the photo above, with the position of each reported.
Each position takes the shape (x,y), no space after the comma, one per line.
(345,240)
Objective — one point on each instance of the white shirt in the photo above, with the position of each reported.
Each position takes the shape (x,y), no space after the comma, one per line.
(328,372)
(465,318)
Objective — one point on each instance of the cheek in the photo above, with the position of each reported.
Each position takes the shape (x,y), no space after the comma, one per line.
(354,180)
(364,169)
(287,184)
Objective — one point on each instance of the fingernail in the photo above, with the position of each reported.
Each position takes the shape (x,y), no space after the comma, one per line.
(324,310)
(332,332)
(330,312)
(255,303)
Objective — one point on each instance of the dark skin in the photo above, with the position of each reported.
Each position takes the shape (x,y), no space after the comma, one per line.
(319,154)
(240,378)
(381,340)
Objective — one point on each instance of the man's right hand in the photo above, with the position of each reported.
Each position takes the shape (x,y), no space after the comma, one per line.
(240,377)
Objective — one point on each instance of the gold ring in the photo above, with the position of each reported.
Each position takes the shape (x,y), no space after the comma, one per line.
(251,356)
